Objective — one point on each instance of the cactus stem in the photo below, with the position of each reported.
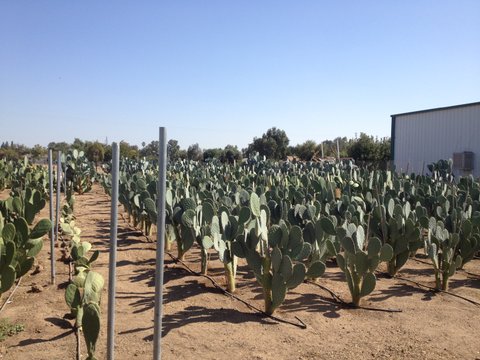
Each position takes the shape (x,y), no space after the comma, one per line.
(204,262)
(445,281)
(230,276)
(437,280)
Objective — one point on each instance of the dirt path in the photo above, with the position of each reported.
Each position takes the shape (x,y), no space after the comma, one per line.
(201,323)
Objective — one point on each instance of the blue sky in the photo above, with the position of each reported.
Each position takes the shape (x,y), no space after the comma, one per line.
(222,72)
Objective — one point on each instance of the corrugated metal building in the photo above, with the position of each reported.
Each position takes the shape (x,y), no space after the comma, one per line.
(422,137)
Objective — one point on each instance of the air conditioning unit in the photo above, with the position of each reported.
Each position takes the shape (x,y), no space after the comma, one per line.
(463,161)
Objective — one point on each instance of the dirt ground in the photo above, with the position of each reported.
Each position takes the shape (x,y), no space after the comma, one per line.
(200,322)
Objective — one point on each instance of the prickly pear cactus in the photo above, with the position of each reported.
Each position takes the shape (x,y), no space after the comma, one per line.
(397,226)
(441,248)
(18,247)
(274,255)
(359,260)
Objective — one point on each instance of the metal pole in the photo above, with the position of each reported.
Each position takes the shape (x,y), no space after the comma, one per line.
(52,230)
(321,147)
(338,150)
(161,188)
(113,255)
(57,213)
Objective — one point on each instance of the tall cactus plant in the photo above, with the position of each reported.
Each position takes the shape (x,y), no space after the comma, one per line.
(360,259)
(441,247)
(274,255)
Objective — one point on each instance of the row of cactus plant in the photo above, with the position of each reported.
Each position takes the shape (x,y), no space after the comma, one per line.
(83,294)
(232,209)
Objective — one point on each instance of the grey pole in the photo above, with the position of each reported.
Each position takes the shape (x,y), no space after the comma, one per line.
(338,150)
(161,188)
(321,147)
(52,230)
(57,213)
(113,255)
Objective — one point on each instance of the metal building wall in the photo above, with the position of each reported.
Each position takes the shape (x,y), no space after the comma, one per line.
(421,138)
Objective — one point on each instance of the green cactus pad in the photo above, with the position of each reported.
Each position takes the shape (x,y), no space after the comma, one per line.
(34,246)
(361,263)
(368,284)
(188,218)
(279,290)
(286,267)
(316,269)
(8,276)
(24,266)
(72,296)
(276,259)
(91,326)
(8,232)
(274,236)
(386,253)
(298,275)
(255,204)
(348,245)
(374,246)
(328,226)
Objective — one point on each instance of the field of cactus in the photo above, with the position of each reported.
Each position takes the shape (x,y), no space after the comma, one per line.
(292,260)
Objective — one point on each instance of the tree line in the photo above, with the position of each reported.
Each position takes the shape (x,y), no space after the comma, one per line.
(273,144)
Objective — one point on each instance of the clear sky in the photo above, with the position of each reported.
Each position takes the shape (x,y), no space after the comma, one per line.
(222,72)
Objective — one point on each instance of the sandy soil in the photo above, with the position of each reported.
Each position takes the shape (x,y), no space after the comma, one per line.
(202,323)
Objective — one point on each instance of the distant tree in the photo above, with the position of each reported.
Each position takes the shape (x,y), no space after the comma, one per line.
(173,150)
(79,144)
(95,152)
(9,154)
(150,151)
(128,151)
(107,157)
(384,149)
(368,149)
(38,152)
(210,154)
(60,146)
(194,152)
(273,144)
(231,154)
(306,151)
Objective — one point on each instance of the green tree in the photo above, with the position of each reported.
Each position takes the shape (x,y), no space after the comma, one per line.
(60,146)
(150,151)
(214,153)
(173,150)
(95,152)
(368,149)
(79,144)
(38,152)
(231,154)
(128,151)
(194,152)
(273,144)
(306,151)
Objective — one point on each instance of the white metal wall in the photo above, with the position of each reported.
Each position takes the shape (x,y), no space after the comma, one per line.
(426,137)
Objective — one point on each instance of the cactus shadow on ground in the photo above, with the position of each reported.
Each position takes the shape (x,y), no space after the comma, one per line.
(459,283)
(311,302)
(200,314)
(399,291)
(27,342)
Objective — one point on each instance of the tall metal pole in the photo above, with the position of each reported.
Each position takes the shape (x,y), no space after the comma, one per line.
(338,150)
(161,188)
(321,146)
(52,230)
(57,212)
(113,254)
